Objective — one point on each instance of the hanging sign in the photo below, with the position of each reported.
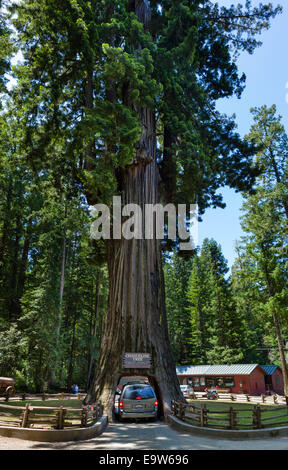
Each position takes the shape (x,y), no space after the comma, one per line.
(137,360)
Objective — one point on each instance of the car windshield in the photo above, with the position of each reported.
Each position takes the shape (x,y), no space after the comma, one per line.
(183,387)
(137,380)
(134,392)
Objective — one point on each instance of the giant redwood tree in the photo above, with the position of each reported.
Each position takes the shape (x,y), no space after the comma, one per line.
(123,94)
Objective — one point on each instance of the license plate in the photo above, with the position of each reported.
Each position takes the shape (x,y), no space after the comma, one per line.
(139,406)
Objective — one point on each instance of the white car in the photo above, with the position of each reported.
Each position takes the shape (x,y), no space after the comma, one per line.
(187,390)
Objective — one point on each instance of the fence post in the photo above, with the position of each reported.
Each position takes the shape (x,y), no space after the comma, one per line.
(61,417)
(25,417)
(257,416)
(232,418)
(205,420)
(84,417)
(96,410)
(176,408)
(263,398)
(275,399)
(182,411)
(203,416)
(248,398)
(43,396)
(173,407)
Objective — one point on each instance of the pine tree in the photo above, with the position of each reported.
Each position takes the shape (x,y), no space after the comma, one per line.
(177,272)
(254,327)
(196,339)
(265,221)
(223,326)
(6,48)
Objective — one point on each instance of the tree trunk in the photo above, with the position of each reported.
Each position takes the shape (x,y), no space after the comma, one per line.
(62,278)
(136,318)
(22,271)
(14,273)
(58,349)
(277,326)
(278,178)
(71,357)
(92,343)
(6,220)
(281,352)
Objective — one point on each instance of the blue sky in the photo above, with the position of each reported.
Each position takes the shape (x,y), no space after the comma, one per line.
(266,83)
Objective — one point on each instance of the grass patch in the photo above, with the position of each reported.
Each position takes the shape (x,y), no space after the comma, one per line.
(8,415)
(273,415)
(49,403)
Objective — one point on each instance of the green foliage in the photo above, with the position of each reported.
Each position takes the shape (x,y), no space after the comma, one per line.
(11,347)
(38,210)
(176,283)
(214,328)
(6,48)
(90,67)
(262,256)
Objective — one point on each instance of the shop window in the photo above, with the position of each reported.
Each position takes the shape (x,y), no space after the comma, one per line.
(202,381)
(228,381)
(220,381)
(196,382)
(210,382)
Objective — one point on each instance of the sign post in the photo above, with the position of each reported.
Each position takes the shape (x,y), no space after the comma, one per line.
(137,361)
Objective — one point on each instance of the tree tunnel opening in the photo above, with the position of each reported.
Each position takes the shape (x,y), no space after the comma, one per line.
(145,378)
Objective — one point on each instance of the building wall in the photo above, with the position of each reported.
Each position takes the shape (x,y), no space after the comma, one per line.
(278,385)
(253,384)
(257,382)
(241,384)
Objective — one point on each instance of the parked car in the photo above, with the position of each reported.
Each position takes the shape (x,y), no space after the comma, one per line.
(187,391)
(7,386)
(137,401)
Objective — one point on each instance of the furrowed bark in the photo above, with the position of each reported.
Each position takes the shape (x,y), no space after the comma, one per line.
(136,318)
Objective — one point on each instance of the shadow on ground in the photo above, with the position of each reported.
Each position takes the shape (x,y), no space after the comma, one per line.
(147,436)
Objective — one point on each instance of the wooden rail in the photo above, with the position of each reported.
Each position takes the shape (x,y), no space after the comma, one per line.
(256,417)
(43,396)
(45,416)
(242,398)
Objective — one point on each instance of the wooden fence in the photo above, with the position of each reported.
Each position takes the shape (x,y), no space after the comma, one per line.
(49,417)
(256,417)
(242,398)
(43,396)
